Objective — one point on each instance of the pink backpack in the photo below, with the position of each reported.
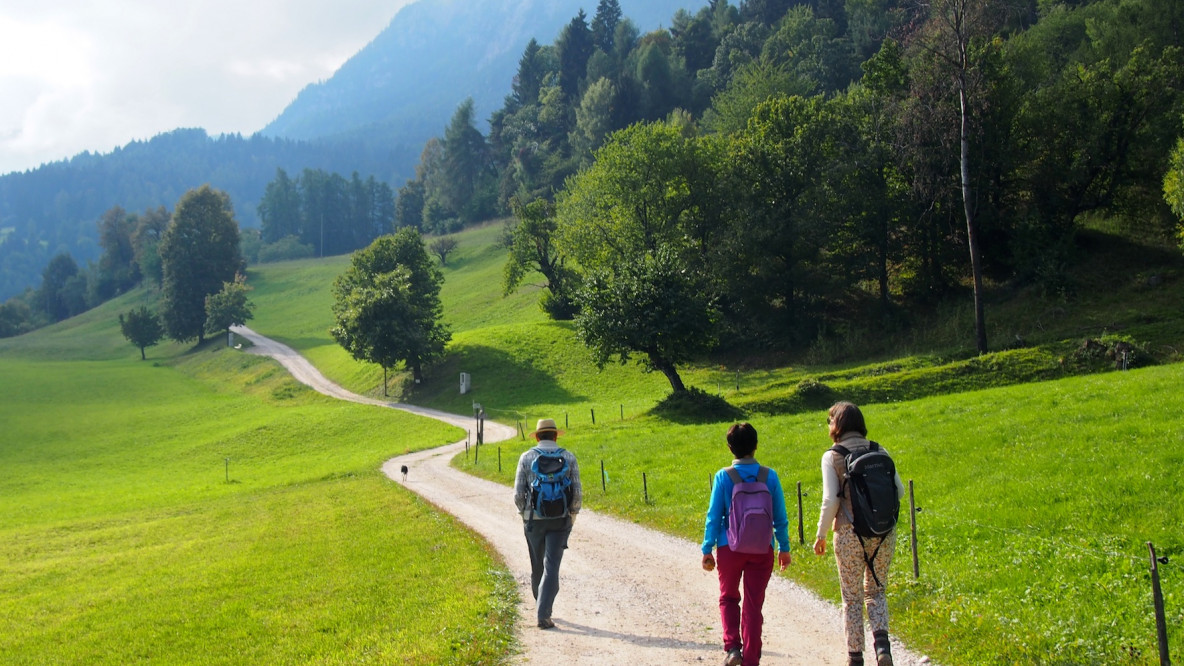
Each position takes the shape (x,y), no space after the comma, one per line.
(750,519)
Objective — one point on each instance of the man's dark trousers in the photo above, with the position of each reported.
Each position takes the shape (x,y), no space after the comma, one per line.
(546,539)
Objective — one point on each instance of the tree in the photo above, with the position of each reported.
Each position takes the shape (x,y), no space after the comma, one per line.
(229,307)
(53,292)
(655,307)
(279,209)
(604,24)
(465,164)
(647,209)
(387,305)
(1173,187)
(575,47)
(953,28)
(117,270)
(199,252)
(442,247)
(142,328)
(532,248)
(150,227)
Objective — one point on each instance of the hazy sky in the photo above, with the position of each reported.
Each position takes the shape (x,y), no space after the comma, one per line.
(92,75)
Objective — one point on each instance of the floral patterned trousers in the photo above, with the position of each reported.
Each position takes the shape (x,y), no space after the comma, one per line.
(857,584)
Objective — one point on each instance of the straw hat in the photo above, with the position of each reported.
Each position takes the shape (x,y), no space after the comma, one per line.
(547,425)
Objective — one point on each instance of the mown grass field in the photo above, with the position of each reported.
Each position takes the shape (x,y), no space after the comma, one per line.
(202,507)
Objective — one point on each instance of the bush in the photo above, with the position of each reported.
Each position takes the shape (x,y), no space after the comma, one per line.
(813,394)
(1122,352)
(288,247)
(696,406)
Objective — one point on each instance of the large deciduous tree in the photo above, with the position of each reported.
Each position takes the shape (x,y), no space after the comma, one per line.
(532,249)
(387,305)
(647,209)
(655,307)
(199,253)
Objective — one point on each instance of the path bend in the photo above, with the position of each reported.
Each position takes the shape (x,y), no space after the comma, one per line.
(628,594)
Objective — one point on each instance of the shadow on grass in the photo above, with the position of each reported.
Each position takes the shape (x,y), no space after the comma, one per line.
(500,382)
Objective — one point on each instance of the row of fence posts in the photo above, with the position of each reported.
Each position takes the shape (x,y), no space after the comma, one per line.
(1156,591)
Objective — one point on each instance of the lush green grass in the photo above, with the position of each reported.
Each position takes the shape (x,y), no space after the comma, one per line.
(122,540)
(1038,497)
(1037,503)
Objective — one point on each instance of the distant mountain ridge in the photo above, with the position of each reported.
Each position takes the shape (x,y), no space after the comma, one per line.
(373,116)
(405,84)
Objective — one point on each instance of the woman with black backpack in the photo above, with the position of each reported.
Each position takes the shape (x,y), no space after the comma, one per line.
(865,535)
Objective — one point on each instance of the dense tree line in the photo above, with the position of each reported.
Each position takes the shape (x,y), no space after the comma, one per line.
(323,212)
(821,165)
(51,210)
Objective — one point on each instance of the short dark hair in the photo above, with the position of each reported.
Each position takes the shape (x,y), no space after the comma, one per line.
(846,417)
(742,439)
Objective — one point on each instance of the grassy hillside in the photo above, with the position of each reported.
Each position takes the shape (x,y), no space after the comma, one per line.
(1041,474)
(202,507)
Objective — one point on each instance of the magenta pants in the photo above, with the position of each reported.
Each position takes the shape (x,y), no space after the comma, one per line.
(741,615)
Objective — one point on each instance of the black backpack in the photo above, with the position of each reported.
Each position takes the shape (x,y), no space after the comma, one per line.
(871,486)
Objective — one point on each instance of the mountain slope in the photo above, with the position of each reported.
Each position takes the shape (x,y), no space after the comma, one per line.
(405,85)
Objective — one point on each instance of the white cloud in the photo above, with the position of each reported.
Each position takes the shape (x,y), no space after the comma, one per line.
(82,75)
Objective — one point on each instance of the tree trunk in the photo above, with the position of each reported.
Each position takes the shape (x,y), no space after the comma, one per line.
(976,268)
(142,356)
(667,368)
(384,393)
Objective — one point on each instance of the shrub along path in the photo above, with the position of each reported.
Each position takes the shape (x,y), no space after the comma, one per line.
(628,594)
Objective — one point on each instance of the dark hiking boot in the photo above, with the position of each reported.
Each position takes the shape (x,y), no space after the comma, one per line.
(734,658)
(546,624)
(883,648)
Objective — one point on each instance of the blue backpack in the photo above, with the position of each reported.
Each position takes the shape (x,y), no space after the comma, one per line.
(550,487)
(750,518)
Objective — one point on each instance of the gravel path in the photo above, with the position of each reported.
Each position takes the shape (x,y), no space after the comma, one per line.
(628,594)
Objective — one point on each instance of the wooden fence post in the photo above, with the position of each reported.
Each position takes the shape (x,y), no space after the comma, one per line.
(603,479)
(913,520)
(645,487)
(801,526)
(1161,626)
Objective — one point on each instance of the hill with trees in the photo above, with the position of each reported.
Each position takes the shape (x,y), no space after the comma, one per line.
(372,117)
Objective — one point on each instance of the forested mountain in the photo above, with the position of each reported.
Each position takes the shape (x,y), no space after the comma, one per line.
(402,87)
(372,117)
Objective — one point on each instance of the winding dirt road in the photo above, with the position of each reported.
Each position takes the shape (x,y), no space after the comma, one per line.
(628,594)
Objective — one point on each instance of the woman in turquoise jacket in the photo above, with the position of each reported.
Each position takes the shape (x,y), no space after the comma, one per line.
(741,615)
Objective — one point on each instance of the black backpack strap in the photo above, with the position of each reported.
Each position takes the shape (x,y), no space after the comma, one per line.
(841,450)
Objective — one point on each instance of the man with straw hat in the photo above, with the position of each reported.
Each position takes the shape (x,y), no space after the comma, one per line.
(547,493)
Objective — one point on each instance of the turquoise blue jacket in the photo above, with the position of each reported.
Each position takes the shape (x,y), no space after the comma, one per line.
(715,530)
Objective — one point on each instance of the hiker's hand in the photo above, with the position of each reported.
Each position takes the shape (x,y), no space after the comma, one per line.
(708,562)
(783,559)
(820,547)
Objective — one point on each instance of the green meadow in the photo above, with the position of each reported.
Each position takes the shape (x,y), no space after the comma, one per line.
(202,507)
(1040,478)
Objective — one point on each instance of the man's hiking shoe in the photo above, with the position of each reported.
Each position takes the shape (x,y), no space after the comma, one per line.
(546,624)
(734,657)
